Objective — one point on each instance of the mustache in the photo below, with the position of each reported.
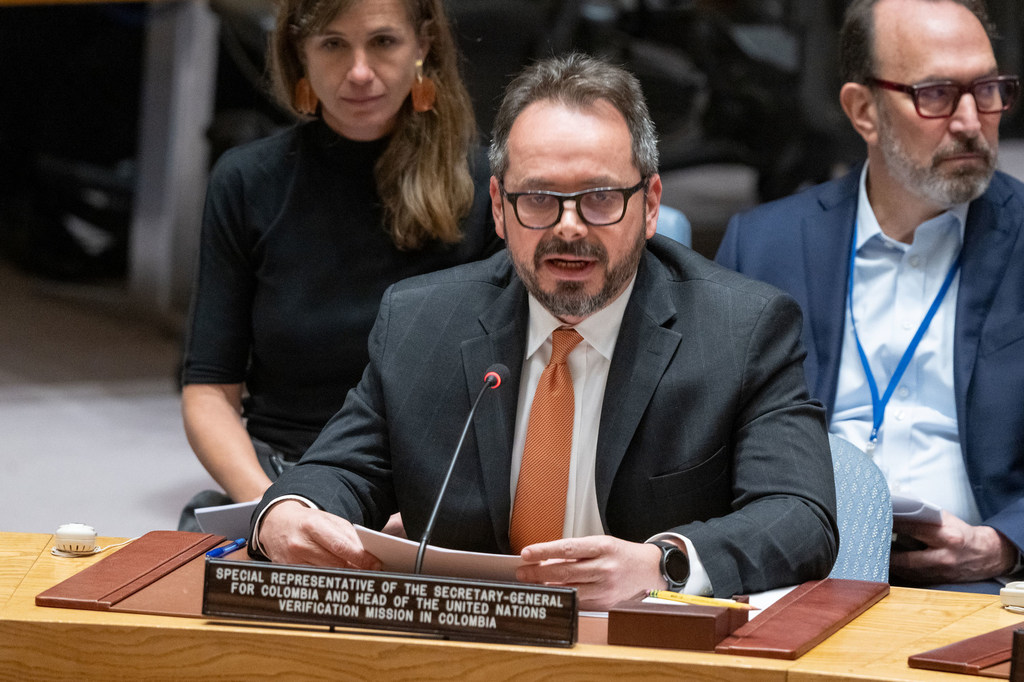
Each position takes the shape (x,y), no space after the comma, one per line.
(970,145)
(579,248)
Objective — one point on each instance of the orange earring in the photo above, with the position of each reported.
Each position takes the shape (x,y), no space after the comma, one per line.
(305,100)
(424,93)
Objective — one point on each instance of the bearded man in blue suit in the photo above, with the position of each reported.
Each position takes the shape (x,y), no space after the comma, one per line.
(910,273)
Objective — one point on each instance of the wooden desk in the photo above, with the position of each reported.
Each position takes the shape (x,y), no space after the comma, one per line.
(18,551)
(876,645)
(63,643)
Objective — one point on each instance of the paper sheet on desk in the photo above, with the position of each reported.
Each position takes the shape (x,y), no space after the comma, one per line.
(906,508)
(761,600)
(399,555)
(229,520)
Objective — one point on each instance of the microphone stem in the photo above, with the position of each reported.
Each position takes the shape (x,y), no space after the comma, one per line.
(424,539)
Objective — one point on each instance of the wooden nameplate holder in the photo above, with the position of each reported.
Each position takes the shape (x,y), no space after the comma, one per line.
(451,608)
(803,618)
(987,655)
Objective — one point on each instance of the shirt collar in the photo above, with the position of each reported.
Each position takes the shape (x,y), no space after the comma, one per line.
(600,330)
(867,223)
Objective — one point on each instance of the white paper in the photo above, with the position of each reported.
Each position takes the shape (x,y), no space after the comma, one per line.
(398,555)
(229,520)
(906,508)
(761,600)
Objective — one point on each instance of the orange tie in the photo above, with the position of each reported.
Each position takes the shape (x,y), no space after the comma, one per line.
(539,510)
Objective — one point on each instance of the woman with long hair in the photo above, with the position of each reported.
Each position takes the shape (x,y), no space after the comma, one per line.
(305,229)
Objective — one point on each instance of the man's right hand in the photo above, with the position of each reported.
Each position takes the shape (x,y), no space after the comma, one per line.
(952,552)
(292,533)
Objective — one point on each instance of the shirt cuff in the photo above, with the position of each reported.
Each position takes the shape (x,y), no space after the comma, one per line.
(256,547)
(1020,564)
(698,582)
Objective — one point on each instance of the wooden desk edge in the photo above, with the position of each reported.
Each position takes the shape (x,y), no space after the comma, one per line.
(92,644)
(54,642)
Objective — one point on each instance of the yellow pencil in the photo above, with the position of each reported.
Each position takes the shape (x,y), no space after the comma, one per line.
(701,601)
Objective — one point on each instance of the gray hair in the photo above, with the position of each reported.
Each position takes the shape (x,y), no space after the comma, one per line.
(578,81)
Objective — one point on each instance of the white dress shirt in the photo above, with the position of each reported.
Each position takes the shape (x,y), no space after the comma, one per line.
(589,363)
(918,447)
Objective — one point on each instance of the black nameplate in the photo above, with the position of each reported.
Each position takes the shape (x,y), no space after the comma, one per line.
(453,608)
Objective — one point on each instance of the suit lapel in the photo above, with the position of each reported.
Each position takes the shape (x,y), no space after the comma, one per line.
(642,354)
(503,341)
(826,243)
(991,228)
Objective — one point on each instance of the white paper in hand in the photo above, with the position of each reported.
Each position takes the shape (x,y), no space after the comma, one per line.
(398,555)
(911,509)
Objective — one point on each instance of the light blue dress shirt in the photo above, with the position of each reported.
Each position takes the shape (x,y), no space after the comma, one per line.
(918,446)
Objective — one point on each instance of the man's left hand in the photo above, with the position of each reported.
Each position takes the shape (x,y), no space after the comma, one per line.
(955,552)
(604,570)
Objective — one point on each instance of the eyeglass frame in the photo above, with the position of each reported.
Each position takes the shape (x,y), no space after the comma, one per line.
(913,90)
(577,197)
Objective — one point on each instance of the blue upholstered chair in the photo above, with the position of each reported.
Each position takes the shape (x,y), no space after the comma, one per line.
(672,223)
(864,515)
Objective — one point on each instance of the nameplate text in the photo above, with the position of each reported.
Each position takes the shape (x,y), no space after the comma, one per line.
(452,608)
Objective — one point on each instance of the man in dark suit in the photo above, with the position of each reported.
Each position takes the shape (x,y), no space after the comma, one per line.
(690,420)
(931,225)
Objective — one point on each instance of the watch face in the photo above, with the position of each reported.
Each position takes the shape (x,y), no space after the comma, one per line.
(677,565)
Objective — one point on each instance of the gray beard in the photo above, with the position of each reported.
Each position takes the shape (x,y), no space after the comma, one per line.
(928,182)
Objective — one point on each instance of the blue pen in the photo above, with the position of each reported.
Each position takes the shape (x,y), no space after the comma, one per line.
(221,551)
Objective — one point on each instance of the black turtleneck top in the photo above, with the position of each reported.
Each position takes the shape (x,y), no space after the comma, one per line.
(293,263)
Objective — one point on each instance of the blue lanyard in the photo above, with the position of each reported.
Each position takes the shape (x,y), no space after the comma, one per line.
(878,404)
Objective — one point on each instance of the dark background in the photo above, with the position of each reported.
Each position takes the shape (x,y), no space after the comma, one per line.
(728,81)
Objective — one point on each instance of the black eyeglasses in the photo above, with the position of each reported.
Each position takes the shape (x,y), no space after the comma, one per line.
(939,99)
(597,207)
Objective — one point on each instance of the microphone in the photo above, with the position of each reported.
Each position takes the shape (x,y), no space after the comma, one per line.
(494,377)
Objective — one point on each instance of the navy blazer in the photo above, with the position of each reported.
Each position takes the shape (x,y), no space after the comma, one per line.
(802,245)
(707,428)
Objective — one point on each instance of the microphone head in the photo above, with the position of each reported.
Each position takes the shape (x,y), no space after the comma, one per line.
(496,374)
